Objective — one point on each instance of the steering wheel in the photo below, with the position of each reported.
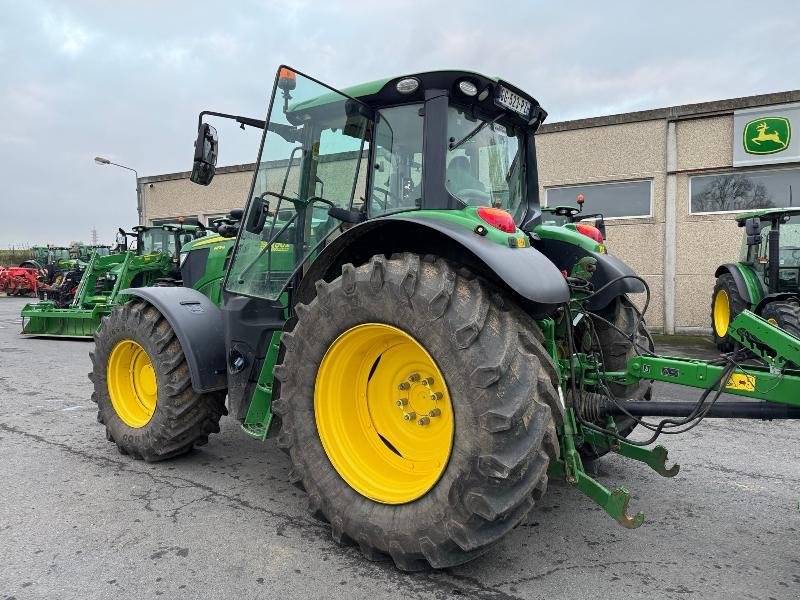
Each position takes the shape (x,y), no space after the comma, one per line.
(473,196)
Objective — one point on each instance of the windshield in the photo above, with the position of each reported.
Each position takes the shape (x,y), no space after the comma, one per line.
(313,156)
(484,163)
(156,240)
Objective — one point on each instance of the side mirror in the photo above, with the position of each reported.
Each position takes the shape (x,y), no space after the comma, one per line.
(205,155)
(122,239)
(753,229)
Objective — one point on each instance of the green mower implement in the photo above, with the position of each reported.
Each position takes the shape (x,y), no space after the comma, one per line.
(426,346)
(155,261)
(766,280)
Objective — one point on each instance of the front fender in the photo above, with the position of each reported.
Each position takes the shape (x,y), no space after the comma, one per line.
(197,323)
(747,285)
(526,271)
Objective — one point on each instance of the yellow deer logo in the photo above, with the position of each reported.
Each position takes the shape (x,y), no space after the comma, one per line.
(763,136)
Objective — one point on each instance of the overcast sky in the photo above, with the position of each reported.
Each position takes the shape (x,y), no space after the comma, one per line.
(126,79)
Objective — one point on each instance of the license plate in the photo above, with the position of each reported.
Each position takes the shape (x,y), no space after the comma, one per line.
(512,101)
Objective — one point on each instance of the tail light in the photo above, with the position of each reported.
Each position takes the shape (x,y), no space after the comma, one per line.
(590,231)
(497,218)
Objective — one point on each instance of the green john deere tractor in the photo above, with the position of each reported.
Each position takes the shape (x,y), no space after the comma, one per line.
(74,308)
(766,280)
(423,344)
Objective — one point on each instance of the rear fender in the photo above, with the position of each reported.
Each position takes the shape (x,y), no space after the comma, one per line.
(778,297)
(565,256)
(197,323)
(536,282)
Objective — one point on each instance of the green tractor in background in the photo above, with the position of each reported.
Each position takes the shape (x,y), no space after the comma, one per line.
(75,308)
(766,280)
(425,346)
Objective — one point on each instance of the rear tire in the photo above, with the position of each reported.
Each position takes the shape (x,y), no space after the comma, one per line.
(726,303)
(179,418)
(502,389)
(616,351)
(786,315)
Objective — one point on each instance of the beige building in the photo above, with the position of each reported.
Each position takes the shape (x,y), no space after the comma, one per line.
(665,180)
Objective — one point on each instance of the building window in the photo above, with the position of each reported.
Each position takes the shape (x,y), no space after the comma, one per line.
(745,190)
(173,221)
(624,199)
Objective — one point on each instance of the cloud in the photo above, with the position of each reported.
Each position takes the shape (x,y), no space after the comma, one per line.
(127,79)
(66,35)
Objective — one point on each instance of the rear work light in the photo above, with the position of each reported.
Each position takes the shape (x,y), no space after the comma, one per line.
(498,218)
(590,231)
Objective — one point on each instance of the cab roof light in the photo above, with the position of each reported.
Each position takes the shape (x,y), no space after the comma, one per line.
(467,87)
(407,85)
(497,218)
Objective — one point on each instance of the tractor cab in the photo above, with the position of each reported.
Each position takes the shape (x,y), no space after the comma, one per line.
(332,159)
(771,247)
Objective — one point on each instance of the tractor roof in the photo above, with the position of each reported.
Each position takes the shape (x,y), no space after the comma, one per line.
(766,213)
(383,92)
(167,227)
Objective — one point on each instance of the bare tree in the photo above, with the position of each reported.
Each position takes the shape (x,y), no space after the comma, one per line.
(731,192)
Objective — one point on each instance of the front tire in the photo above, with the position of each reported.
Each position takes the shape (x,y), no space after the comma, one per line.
(726,303)
(142,386)
(495,434)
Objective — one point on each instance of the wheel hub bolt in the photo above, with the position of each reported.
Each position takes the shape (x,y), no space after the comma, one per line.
(403,386)
(423,421)
(409,416)
(427,382)
(414,377)
(436,396)
(434,412)
(402,402)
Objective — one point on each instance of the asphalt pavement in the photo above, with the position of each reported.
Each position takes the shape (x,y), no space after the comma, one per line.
(79,520)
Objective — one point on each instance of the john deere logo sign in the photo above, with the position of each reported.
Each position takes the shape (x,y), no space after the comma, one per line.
(767,135)
(763,135)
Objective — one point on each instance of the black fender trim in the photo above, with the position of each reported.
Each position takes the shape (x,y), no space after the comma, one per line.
(198,324)
(738,279)
(609,268)
(776,297)
(526,271)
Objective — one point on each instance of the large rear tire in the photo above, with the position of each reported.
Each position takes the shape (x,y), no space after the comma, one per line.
(726,303)
(616,350)
(786,315)
(411,329)
(142,386)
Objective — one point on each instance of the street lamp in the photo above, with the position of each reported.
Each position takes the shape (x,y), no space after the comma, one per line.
(104,161)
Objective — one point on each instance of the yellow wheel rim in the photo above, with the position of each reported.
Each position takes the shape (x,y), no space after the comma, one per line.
(132,383)
(722,313)
(383,413)
(773,321)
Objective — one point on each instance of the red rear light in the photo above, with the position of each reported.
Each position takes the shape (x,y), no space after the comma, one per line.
(590,231)
(498,218)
